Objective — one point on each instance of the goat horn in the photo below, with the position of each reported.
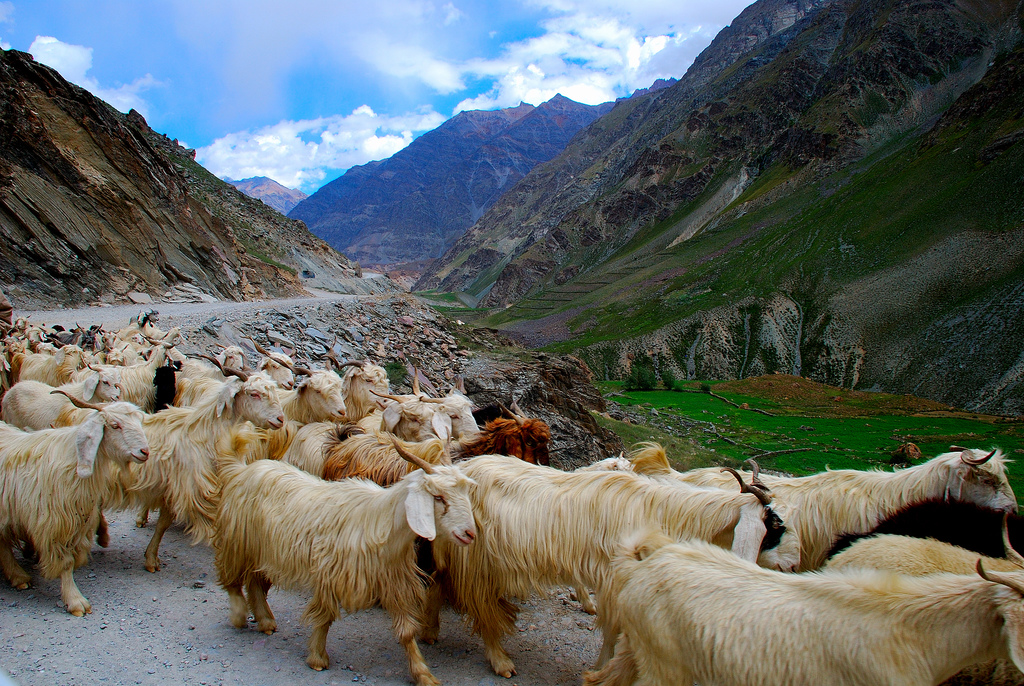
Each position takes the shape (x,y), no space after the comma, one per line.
(1000,578)
(957,448)
(1011,554)
(747,488)
(755,478)
(226,372)
(975,462)
(409,457)
(387,395)
(301,371)
(415,381)
(353,363)
(221,346)
(505,412)
(259,348)
(515,408)
(78,403)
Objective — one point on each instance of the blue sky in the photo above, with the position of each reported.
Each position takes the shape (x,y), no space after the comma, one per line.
(302,90)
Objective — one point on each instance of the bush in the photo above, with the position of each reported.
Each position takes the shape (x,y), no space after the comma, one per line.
(705,388)
(668,378)
(396,372)
(641,377)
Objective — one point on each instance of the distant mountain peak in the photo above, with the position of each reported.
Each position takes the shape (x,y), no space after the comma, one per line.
(264,188)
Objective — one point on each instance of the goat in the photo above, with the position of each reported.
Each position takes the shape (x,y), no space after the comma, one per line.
(546,527)
(516,436)
(691,612)
(277,366)
(373,456)
(188,444)
(350,542)
(358,385)
(53,370)
(920,556)
(31,405)
(52,484)
(965,525)
(823,506)
(136,382)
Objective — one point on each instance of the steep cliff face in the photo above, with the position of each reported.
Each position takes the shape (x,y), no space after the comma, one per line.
(413,205)
(94,204)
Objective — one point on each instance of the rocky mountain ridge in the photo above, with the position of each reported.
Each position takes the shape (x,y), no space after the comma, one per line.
(281,198)
(95,205)
(413,205)
(831,190)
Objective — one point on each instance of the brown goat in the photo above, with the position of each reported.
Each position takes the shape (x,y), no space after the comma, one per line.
(525,438)
(373,456)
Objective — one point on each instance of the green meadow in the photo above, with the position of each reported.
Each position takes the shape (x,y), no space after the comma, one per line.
(800,427)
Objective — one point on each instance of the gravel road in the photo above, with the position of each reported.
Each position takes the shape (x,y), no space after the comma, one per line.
(184,315)
(171,627)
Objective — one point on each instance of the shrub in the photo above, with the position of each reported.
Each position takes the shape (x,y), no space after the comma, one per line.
(705,388)
(641,377)
(668,378)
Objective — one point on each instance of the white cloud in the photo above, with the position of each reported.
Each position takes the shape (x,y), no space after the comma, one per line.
(73,61)
(298,154)
(451,14)
(6,12)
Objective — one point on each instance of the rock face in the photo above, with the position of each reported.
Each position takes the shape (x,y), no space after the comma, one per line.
(94,204)
(272,193)
(413,205)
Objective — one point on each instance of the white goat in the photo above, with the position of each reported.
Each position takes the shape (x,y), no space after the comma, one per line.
(358,382)
(137,380)
(188,444)
(54,370)
(350,542)
(31,404)
(52,484)
(546,527)
(691,612)
(821,507)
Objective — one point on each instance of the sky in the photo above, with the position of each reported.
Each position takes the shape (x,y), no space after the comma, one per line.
(302,90)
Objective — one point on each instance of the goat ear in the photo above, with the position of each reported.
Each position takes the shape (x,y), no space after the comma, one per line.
(87,443)
(442,425)
(392,415)
(90,385)
(419,507)
(749,532)
(60,355)
(226,395)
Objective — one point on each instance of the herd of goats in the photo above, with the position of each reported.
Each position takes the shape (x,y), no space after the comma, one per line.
(324,481)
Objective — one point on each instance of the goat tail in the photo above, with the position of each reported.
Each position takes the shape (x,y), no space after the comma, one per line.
(649,458)
(641,544)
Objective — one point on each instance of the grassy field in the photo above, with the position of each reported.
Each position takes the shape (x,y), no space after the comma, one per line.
(809,426)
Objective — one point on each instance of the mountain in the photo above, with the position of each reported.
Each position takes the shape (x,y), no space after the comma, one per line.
(832,190)
(94,204)
(415,204)
(272,193)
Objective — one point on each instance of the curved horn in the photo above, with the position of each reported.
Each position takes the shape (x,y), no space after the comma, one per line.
(1006,579)
(409,457)
(301,371)
(975,462)
(353,363)
(78,403)
(221,346)
(415,381)
(1011,554)
(259,348)
(505,412)
(755,478)
(515,408)
(746,488)
(226,372)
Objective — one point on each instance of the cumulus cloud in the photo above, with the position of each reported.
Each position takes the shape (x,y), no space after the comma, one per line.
(588,57)
(74,61)
(299,154)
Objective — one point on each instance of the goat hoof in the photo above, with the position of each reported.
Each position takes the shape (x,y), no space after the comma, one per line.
(317,663)
(103,540)
(21,587)
(152,568)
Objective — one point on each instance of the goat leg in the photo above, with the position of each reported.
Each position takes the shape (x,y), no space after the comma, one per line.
(153,549)
(14,572)
(77,604)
